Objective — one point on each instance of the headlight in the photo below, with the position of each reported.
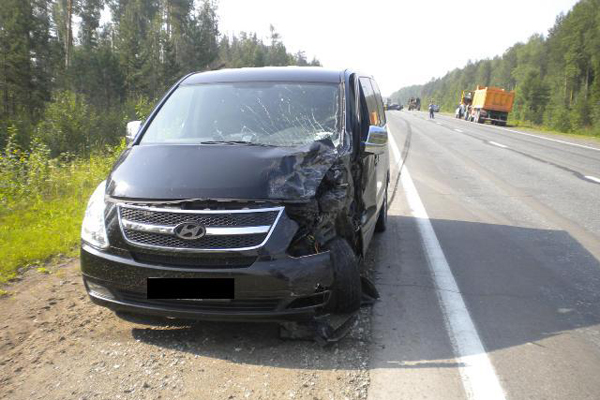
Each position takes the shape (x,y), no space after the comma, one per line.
(93,230)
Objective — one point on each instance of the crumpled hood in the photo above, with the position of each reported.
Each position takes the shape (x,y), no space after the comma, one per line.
(177,172)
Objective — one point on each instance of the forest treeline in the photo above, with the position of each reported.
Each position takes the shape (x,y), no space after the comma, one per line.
(556,76)
(70,82)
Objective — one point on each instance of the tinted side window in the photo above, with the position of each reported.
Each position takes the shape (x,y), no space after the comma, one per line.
(379,102)
(374,115)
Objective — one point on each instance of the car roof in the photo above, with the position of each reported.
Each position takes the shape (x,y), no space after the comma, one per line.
(267,74)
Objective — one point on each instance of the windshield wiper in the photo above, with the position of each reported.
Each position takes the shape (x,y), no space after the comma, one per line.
(236,142)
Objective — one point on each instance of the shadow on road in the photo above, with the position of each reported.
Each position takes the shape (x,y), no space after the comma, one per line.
(521,286)
(253,343)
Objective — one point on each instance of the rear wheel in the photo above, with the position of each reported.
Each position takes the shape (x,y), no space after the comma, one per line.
(346,291)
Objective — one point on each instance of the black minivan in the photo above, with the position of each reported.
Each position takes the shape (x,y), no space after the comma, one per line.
(247,194)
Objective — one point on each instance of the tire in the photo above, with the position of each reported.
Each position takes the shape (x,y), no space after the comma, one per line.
(346,292)
(381,224)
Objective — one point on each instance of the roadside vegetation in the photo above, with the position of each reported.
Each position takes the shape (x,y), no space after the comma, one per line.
(42,201)
(556,76)
(65,101)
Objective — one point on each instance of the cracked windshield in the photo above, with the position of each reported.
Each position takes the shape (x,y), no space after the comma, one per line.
(272,114)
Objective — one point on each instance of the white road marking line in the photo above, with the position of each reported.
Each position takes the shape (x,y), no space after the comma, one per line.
(458,130)
(438,123)
(552,140)
(541,137)
(498,144)
(592,178)
(476,370)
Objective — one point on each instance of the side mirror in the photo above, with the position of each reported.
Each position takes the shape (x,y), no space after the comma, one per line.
(132,129)
(377,140)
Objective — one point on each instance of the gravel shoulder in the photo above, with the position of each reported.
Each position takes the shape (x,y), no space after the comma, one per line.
(56,344)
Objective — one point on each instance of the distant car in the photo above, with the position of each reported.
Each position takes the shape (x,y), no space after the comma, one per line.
(394,106)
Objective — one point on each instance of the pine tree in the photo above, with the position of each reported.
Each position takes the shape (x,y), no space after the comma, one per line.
(89,12)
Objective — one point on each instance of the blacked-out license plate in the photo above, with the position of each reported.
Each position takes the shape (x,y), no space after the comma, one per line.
(190,288)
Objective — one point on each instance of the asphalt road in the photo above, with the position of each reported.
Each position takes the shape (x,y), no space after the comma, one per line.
(489,272)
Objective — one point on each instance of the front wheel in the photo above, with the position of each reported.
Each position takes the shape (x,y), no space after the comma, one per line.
(346,293)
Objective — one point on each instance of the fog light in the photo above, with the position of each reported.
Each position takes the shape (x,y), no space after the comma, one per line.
(99,291)
(314,300)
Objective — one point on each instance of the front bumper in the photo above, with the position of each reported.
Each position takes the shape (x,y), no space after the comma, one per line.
(271,289)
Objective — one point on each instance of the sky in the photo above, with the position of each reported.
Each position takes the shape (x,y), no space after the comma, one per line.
(399,42)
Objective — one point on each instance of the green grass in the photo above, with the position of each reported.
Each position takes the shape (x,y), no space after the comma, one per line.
(33,235)
(42,203)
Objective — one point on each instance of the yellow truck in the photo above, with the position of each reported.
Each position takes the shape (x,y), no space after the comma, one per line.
(487,104)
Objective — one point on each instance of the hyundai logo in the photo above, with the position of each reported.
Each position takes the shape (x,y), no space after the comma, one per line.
(190,230)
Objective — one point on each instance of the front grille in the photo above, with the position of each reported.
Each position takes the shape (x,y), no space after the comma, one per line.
(212,220)
(206,242)
(247,305)
(225,230)
(196,261)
